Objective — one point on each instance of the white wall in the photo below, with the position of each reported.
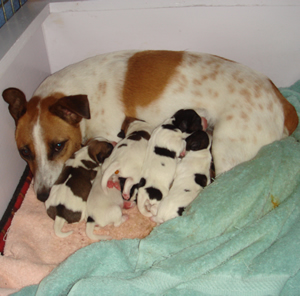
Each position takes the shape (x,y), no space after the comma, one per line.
(24,67)
(260,33)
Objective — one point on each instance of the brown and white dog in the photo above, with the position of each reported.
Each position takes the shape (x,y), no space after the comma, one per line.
(92,97)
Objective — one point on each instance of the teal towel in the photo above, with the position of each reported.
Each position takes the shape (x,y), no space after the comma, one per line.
(241,236)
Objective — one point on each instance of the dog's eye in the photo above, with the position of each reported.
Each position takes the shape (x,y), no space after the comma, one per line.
(25,152)
(59,146)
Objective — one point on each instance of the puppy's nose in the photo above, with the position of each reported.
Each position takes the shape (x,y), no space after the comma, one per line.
(43,194)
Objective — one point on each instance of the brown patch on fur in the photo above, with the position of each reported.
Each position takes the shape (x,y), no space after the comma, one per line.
(246,94)
(270,106)
(147,75)
(231,88)
(259,127)
(244,115)
(102,88)
(229,117)
(57,130)
(291,119)
(197,82)
(23,134)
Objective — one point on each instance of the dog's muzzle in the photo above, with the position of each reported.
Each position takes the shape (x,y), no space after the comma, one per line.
(43,194)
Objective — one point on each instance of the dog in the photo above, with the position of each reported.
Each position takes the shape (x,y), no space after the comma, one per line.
(192,175)
(165,146)
(91,98)
(69,194)
(128,156)
(103,208)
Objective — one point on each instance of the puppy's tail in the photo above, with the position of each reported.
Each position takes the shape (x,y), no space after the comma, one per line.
(90,232)
(58,225)
(115,166)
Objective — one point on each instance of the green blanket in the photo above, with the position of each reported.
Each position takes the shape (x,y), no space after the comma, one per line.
(241,236)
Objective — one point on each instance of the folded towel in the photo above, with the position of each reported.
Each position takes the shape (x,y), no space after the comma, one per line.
(240,236)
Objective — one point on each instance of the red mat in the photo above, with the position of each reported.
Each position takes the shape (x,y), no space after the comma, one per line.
(14,205)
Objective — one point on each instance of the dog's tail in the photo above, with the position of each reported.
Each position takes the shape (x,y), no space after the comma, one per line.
(90,232)
(111,170)
(58,225)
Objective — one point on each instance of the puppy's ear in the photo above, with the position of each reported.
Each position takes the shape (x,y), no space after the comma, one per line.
(17,102)
(100,150)
(72,108)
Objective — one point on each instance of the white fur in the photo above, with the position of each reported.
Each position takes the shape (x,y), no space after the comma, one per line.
(127,160)
(194,162)
(104,208)
(158,175)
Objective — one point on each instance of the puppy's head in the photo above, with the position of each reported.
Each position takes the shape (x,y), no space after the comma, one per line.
(188,121)
(99,149)
(197,141)
(47,133)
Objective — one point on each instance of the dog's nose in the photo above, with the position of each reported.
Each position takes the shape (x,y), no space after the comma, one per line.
(43,194)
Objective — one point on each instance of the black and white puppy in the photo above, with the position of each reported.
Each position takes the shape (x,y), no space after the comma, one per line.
(192,175)
(69,194)
(103,208)
(165,146)
(127,157)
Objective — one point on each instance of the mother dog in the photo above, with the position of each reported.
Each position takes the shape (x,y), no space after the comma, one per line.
(92,98)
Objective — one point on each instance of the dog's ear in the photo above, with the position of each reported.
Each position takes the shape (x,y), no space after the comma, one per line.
(72,108)
(17,102)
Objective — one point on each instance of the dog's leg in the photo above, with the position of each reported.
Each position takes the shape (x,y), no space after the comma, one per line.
(90,232)
(127,187)
(142,201)
(58,225)
(122,220)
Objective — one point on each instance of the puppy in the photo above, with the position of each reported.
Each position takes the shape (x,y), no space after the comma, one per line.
(192,175)
(128,155)
(165,146)
(103,208)
(68,196)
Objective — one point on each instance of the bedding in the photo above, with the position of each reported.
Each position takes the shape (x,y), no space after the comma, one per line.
(240,236)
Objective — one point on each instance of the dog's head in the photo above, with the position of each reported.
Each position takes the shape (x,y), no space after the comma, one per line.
(47,133)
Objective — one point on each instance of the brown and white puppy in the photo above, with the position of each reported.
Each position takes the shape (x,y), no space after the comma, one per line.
(69,194)
(128,155)
(103,208)
(92,98)
(192,175)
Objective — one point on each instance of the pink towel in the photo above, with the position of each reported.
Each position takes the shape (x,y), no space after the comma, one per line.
(32,250)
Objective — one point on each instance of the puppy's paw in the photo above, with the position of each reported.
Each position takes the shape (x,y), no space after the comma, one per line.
(128,204)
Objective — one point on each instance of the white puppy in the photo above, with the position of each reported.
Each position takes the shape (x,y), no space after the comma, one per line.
(68,196)
(128,155)
(165,146)
(192,175)
(103,208)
